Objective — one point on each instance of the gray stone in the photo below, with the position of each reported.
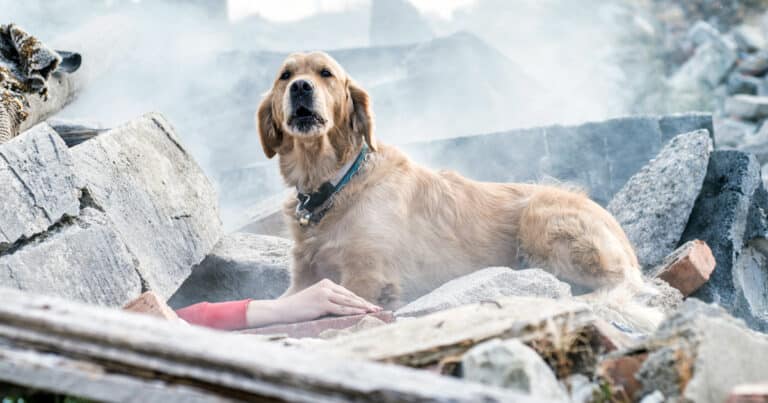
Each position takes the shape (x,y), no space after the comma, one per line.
(748,107)
(487,284)
(720,218)
(702,32)
(156,196)
(731,133)
(39,185)
(713,58)
(240,266)
(397,22)
(513,365)
(689,359)
(654,205)
(755,64)
(748,38)
(757,143)
(82,259)
(738,83)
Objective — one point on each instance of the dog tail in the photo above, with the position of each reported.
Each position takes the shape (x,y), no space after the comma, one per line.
(624,304)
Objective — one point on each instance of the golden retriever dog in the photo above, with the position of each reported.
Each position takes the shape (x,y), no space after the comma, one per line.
(369,218)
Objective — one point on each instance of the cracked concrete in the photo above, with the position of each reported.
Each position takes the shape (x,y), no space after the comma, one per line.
(126,212)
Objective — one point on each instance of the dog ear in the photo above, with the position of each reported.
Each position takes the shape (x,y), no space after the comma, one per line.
(270,134)
(362,115)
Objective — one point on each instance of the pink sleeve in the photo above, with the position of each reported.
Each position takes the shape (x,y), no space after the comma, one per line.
(218,315)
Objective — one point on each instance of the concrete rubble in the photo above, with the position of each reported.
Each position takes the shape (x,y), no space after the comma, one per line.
(95,219)
(74,229)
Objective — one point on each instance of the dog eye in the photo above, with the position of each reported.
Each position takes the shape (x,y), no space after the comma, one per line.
(286,75)
(325,73)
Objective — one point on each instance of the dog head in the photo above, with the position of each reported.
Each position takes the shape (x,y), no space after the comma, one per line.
(313,97)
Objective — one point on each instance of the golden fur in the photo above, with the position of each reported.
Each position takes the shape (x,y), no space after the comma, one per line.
(399,230)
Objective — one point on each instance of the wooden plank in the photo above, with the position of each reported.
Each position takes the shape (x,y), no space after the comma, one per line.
(224,365)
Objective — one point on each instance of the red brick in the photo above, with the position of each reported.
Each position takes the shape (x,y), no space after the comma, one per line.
(752,393)
(687,268)
(620,373)
(315,327)
(151,304)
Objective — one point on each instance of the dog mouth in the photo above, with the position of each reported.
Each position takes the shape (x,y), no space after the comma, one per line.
(305,119)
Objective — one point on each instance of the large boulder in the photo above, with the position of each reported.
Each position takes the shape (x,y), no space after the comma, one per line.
(487,285)
(654,205)
(240,266)
(158,198)
(513,365)
(126,211)
(729,215)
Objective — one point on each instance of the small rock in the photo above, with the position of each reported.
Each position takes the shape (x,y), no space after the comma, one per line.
(731,133)
(654,205)
(757,143)
(738,83)
(713,58)
(749,393)
(748,107)
(487,284)
(240,266)
(687,268)
(511,364)
(620,373)
(151,304)
(748,38)
(755,64)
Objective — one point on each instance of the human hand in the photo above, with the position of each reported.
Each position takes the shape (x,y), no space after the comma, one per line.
(323,298)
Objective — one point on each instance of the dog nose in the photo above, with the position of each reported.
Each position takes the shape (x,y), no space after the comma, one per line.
(301,87)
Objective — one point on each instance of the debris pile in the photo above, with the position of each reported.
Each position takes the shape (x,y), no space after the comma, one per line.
(94,218)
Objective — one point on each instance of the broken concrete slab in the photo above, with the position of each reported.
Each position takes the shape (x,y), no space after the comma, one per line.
(512,365)
(720,218)
(749,107)
(106,355)
(40,187)
(599,156)
(687,268)
(158,199)
(82,258)
(709,64)
(314,328)
(427,340)
(688,358)
(487,285)
(654,205)
(240,266)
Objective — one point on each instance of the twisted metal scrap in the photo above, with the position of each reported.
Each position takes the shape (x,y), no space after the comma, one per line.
(25,66)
